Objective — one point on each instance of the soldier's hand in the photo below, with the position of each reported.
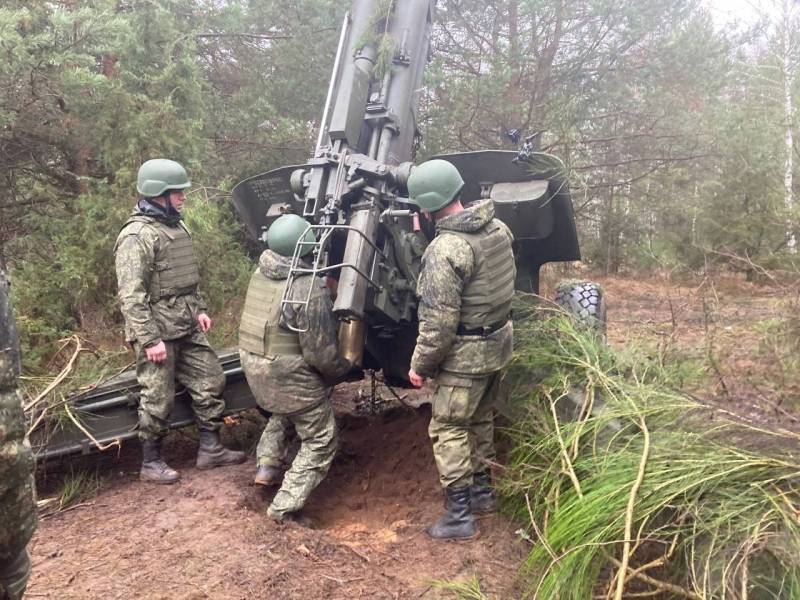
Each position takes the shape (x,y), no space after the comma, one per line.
(203,322)
(415,379)
(157,353)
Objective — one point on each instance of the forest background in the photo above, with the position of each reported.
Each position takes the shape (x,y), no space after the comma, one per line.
(678,130)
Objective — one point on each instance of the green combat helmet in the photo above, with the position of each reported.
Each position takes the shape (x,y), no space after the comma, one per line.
(286,231)
(434,184)
(158,175)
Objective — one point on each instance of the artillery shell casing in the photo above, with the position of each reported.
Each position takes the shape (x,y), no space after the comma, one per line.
(351,341)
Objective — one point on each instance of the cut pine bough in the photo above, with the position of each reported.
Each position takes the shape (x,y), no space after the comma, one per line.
(641,489)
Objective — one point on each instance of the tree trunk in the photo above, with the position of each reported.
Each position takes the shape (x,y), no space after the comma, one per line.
(788,124)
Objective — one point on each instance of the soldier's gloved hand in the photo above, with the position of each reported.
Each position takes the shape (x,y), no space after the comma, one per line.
(204,322)
(157,353)
(415,379)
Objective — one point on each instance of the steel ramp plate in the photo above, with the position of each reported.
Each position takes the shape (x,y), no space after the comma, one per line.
(253,197)
(109,412)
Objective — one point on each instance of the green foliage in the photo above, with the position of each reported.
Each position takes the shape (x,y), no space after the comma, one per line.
(672,127)
(225,267)
(78,486)
(64,284)
(266,88)
(715,497)
(108,88)
(375,35)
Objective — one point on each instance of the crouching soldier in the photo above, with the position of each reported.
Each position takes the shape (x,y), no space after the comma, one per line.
(166,321)
(289,372)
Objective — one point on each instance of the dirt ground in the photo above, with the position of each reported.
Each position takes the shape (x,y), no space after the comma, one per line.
(721,327)
(207,536)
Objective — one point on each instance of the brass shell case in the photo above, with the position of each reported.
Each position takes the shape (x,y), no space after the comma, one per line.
(351,341)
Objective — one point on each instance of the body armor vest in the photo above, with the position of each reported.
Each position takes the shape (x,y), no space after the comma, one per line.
(176,270)
(486,299)
(259,329)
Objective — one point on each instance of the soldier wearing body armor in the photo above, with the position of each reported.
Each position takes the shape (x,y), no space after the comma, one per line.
(465,339)
(290,372)
(17,495)
(166,321)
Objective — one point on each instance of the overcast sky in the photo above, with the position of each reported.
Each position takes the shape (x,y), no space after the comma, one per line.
(727,11)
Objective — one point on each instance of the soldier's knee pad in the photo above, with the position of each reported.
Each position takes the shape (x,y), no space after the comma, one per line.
(14,576)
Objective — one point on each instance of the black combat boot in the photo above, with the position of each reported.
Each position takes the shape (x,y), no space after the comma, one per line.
(484,498)
(457,523)
(154,469)
(268,475)
(211,453)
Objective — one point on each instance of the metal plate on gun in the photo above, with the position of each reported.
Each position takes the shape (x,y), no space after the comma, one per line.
(253,197)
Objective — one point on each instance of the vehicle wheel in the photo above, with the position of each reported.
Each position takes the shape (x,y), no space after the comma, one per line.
(585,301)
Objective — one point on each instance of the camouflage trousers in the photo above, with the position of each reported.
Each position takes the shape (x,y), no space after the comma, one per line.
(462,426)
(273,445)
(17,498)
(316,429)
(14,576)
(192,363)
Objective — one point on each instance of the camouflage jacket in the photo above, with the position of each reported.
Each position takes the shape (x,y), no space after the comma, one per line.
(17,496)
(292,383)
(136,252)
(447,266)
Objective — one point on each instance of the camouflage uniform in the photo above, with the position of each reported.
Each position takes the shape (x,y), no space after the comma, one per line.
(466,363)
(157,279)
(293,384)
(273,445)
(17,493)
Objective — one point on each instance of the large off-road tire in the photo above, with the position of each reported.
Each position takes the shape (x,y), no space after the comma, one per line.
(585,301)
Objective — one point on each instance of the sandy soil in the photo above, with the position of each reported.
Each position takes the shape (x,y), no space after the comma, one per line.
(207,536)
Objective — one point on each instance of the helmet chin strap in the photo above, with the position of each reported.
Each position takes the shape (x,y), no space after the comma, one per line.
(168,203)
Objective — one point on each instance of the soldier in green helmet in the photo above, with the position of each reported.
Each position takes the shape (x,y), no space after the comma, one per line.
(465,339)
(17,495)
(290,358)
(166,321)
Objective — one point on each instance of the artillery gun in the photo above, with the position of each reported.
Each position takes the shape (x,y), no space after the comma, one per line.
(352,191)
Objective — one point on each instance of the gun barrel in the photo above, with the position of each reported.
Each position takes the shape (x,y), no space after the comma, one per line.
(410,25)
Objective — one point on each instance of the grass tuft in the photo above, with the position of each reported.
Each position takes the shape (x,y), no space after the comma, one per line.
(78,486)
(463,590)
(614,471)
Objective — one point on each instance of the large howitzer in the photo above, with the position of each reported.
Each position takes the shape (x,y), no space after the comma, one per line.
(352,190)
